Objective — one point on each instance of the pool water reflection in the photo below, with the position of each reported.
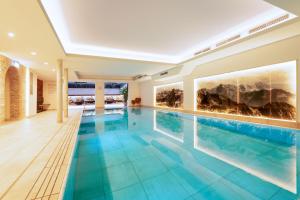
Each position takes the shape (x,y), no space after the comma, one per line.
(142,153)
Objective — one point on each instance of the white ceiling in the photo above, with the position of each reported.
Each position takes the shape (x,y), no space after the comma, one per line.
(138,30)
(33,32)
(112,67)
(158,30)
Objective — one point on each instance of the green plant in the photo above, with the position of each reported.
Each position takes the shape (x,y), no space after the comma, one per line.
(124,91)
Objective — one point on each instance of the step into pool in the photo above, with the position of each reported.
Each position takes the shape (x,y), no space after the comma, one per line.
(144,153)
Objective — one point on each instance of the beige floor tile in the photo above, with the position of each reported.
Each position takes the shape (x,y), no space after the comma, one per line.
(27,155)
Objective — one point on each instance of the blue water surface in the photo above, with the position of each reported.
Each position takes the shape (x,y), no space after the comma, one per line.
(143,153)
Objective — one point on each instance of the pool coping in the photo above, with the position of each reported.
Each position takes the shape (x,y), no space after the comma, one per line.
(70,159)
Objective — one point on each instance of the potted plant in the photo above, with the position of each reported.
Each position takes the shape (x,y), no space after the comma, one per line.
(124,91)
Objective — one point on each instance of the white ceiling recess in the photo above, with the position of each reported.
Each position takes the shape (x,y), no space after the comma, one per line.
(112,38)
(168,31)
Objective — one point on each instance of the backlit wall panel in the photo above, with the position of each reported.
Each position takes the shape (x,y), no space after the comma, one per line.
(170,95)
(268,91)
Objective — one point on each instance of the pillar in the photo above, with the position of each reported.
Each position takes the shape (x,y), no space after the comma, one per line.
(298,123)
(59,92)
(4,64)
(66,101)
(22,92)
(99,94)
(298,92)
(188,94)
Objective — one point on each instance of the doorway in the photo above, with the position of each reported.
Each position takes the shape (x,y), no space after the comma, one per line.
(82,94)
(115,95)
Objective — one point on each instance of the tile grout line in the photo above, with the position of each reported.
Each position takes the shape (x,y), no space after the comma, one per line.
(53,154)
(70,160)
(67,147)
(31,162)
(60,153)
(72,143)
(56,162)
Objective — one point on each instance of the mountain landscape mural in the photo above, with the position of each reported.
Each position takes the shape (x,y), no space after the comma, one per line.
(269,92)
(170,96)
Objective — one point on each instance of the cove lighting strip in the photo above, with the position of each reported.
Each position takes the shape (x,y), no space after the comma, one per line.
(54,11)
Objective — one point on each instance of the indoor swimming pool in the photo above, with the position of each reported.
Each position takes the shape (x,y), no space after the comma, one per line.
(151,154)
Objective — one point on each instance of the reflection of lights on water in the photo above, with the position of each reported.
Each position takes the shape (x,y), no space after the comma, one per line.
(113,111)
(244,116)
(164,132)
(290,187)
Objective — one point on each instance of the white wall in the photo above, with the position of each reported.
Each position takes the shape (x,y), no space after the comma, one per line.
(133,91)
(49,93)
(278,52)
(147,93)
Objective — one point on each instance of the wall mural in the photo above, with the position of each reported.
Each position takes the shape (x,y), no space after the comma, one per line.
(170,95)
(268,91)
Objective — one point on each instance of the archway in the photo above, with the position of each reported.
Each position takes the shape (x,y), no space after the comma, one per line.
(12,94)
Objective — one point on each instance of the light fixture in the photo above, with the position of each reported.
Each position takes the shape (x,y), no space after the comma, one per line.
(46,63)
(10,34)
(53,70)
(33,53)
(16,64)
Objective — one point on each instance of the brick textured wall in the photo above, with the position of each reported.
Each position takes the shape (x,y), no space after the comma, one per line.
(13,93)
(12,90)
(4,64)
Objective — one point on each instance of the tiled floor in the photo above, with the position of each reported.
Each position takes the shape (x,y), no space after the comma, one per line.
(34,155)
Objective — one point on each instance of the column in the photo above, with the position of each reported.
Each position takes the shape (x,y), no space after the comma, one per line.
(188,94)
(59,92)
(99,94)
(297,92)
(66,101)
(298,123)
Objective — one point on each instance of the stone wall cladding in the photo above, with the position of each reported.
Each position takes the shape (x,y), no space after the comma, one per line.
(4,64)
(12,76)
(17,78)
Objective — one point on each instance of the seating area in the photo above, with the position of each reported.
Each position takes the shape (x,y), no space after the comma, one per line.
(136,102)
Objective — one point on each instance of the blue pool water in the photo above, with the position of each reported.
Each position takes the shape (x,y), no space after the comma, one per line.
(142,153)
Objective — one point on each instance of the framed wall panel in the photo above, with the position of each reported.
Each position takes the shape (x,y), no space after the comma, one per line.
(170,95)
(268,91)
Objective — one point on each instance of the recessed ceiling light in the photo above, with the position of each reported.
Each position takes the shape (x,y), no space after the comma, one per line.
(11,34)
(46,63)
(33,53)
